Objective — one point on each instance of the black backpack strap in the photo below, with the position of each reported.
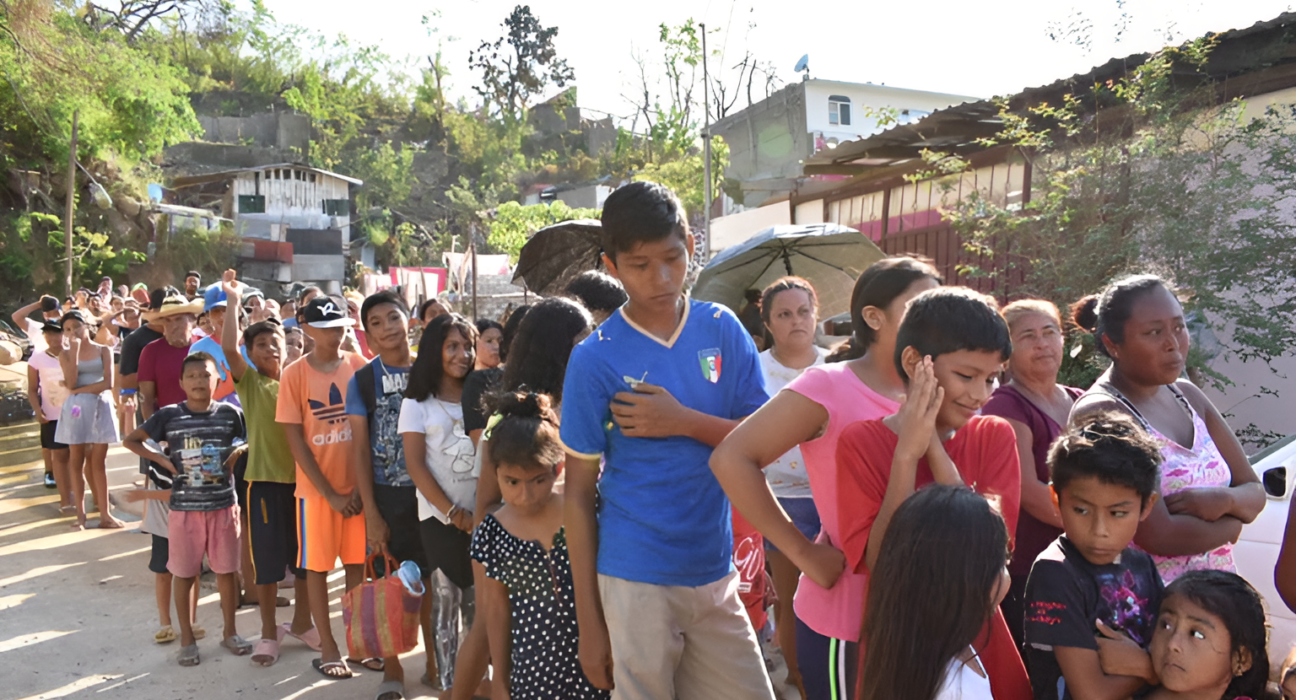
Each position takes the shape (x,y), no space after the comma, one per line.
(365,381)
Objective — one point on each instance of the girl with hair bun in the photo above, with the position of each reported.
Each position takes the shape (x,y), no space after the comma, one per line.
(1208,489)
(526,595)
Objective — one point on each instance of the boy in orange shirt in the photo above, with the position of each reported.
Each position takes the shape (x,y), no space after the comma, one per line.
(312,410)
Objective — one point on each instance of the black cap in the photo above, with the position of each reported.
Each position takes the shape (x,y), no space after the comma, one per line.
(52,327)
(323,312)
(49,303)
(73,315)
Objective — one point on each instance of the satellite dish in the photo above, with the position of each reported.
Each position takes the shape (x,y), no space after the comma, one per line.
(803,64)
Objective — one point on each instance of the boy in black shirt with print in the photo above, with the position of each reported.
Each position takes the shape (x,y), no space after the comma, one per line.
(200,434)
(1090,586)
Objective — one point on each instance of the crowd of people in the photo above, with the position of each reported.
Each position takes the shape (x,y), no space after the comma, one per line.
(926,511)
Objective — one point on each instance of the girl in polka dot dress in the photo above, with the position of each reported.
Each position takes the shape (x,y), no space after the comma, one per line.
(526,600)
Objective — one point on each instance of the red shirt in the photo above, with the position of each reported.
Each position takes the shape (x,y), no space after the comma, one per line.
(161,363)
(985,453)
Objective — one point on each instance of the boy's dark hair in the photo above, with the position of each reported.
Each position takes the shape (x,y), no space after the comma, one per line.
(426,372)
(950,319)
(260,328)
(598,291)
(638,213)
(1106,314)
(1109,447)
(510,330)
(527,435)
(485,324)
(539,354)
(195,358)
(1236,602)
(384,296)
(930,591)
(878,286)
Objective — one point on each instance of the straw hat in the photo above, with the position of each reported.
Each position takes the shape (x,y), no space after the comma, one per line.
(174,305)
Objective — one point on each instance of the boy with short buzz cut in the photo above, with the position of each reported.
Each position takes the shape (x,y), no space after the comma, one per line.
(653,390)
(387,492)
(271,477)
(312,411)
(1090,588)
(949,350)
(200,434)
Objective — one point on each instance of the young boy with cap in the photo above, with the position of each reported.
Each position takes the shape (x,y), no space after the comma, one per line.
(312,411)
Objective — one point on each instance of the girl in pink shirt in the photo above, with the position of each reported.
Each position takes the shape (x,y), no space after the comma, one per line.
(812,412)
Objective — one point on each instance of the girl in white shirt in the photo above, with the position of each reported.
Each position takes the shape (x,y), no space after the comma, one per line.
(940,575)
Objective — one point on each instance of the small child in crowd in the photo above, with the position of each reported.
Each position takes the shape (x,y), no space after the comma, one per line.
(527,600)
(1210,640)
(939,578)
(949,349)
(200,434)
(1090,584)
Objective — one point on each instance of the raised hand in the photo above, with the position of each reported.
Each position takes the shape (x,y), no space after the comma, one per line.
(915,422)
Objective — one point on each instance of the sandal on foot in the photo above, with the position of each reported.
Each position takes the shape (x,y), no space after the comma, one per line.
(334,670)
(310,637)
(371,663)
(237,645)
(434,685)
(198,632)
(266,652)
(188,655)
(166,635)
(391,690)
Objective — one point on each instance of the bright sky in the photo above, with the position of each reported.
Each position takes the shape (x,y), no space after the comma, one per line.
(955,46)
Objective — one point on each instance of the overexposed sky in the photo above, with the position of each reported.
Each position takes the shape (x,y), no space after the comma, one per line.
(963,47)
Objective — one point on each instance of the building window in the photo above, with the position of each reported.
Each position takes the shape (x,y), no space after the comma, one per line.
(839,110)
(251,204)
(337,207)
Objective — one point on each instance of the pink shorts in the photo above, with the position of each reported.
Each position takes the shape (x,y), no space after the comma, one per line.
(192,534)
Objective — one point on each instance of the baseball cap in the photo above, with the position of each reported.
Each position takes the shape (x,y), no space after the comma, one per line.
(52,326)
(323,312)
(73,315)
(213,297)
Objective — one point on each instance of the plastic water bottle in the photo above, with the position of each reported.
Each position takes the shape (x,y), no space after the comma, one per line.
(408,573)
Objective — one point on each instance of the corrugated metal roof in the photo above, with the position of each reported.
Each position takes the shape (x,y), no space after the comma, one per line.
(226,174)
(956,129)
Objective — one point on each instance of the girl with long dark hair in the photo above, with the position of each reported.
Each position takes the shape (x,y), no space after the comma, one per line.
(940,574)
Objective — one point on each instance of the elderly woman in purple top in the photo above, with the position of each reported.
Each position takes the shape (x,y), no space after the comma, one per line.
(1036,406)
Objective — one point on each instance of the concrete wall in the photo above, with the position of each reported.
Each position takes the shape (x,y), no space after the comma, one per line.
(734,229)
(281,130)
(866,97)
(591,197)
(767,140)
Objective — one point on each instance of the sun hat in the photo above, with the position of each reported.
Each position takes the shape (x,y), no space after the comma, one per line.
(323,312)
(174,304)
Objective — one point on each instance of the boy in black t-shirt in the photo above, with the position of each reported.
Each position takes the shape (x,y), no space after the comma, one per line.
(1089,588)
(200,434)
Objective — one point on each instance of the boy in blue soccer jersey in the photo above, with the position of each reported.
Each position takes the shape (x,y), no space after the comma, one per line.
(660,383)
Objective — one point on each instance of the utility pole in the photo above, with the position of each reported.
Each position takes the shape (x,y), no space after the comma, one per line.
(706,152)
(71,204)
(473,252)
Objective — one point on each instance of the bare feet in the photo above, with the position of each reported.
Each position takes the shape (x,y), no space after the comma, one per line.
(108,522)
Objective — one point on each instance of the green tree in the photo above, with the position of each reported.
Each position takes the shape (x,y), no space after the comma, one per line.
(519,65)
(513,224)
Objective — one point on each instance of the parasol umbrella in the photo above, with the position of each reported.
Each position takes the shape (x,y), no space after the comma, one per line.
(830,256)
(556,254)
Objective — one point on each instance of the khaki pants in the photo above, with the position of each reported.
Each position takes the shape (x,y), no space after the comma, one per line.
(681,643)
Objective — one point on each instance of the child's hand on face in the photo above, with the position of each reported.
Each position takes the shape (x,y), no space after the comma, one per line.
(1121,656)
(915,422)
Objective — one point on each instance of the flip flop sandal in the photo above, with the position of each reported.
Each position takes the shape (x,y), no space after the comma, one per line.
(198,632)
(326,669)
(371,663)
(310,637)
(166,635)
(266,652)
(188,655)
(391,690)
(428,682)
(237,645)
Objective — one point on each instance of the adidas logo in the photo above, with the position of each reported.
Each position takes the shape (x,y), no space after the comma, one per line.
(334,411)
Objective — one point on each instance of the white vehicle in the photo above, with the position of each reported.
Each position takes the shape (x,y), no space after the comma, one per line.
(1256,552)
